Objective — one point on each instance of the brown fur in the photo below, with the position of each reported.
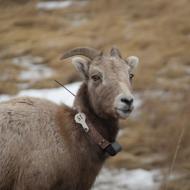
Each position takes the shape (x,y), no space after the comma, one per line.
(51,151)
(83,150)
(114,70)
(41,146)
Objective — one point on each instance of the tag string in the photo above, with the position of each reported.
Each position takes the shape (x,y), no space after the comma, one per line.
(64,87)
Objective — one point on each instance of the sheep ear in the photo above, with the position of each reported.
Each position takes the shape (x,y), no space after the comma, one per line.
(82,65)
(133,62)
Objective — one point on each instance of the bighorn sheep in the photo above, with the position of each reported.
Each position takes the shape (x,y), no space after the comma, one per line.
(41,145)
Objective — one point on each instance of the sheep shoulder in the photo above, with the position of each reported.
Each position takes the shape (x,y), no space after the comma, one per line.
(26,115)
(31,143)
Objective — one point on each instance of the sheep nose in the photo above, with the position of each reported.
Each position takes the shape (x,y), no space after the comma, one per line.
(128,101)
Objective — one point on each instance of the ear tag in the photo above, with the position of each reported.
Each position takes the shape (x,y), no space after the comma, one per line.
(81,119)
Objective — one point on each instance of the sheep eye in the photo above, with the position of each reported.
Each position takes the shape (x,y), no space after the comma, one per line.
(95,77)
(131,76)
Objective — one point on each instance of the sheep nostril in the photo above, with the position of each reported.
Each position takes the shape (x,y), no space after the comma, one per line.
(124,100)
(131,101)
(127,101)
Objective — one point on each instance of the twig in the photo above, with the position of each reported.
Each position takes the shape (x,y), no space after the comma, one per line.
(174,157)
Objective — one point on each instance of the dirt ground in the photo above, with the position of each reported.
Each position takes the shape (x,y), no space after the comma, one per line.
(157,31)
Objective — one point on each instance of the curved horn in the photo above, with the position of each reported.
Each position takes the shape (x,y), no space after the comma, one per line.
(91,53)
(115,52)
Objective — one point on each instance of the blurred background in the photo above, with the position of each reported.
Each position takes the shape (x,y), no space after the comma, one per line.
(33,35)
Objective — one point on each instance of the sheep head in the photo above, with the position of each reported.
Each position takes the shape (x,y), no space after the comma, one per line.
(108,78)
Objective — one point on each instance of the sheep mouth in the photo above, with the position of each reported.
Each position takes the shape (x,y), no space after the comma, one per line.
(124,112)
(129,110)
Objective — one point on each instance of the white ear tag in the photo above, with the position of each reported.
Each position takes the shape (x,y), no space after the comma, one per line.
(81,119)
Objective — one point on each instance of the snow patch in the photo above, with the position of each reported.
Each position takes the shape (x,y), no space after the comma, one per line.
(34,70)
(122,179)
(4,98)
(57,95)
(52,5)
(36,73)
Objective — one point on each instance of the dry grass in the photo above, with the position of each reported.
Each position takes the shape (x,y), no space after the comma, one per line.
(157,31)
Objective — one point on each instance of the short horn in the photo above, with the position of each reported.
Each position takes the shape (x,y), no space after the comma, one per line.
(90,53)
(115,52)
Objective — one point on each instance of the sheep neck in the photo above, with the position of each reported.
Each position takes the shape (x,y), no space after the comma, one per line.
(108,128)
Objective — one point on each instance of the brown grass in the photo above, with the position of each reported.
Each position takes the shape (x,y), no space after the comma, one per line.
(157,31)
